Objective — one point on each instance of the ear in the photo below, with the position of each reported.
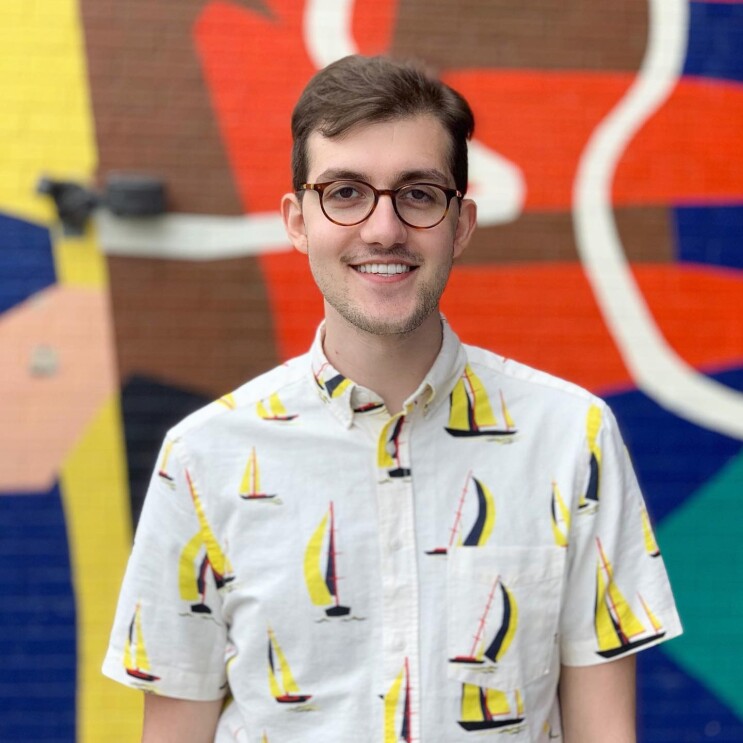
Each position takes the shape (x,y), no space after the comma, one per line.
(465,226)
(291,213)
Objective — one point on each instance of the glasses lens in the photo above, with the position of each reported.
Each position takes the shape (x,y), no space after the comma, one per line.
(421,204)
(347,202)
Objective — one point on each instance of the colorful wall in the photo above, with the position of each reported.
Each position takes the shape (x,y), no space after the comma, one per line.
(608,168)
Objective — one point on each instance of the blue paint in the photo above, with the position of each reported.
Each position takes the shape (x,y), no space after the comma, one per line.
(673,707)
(672,457)
(710,235)
(37,621)
(26,260)
(715,41)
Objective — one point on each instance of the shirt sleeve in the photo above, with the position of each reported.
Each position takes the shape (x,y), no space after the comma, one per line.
(618,598)
(169,636)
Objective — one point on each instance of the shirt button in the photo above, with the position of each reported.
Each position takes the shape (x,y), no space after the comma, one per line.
(395,545)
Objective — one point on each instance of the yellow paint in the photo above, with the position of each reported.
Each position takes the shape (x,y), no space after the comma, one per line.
(96,503)
(46,126)
(78,260)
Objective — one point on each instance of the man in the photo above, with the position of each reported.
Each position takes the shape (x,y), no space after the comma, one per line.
(401,537)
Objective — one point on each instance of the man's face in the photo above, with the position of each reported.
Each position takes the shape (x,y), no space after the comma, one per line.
(381,275)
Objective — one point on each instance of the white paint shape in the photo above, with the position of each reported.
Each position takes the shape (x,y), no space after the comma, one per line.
(194,237)
(653,364)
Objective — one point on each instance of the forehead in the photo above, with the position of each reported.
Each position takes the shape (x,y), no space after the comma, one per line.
(381,152)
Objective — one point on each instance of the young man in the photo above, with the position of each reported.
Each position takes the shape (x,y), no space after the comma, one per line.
(399,536)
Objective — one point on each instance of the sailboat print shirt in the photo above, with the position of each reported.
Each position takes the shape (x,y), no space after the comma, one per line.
(338,573)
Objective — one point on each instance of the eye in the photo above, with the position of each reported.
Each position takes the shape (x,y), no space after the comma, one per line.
(420,195)
(346,191)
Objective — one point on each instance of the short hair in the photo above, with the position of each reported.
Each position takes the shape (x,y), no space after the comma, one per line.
(360,90)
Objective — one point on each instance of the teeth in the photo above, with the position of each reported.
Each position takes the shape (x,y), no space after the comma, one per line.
(383,268)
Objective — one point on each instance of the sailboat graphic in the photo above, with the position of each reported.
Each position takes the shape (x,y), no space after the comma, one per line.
(273,409)
(397,714)
(503,636)
(616,624)
(484,709)
(136,662)
(228,401)
(334,386)
(482,527)
(214,559)
(651,546)
(388,450)
(250,487)
(470,411)
(589,501)
(162,470)
(283,687)
(560,517)
(320,572)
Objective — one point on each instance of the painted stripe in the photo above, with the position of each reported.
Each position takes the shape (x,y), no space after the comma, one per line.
(654,365)
(96,505)
(195,237)
(327,31)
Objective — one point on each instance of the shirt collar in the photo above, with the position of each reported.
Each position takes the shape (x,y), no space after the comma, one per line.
(347,399)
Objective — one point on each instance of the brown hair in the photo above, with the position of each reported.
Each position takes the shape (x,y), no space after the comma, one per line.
(360,90)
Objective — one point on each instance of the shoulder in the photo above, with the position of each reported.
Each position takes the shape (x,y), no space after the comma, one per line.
(539,396)
(537,382)
(287,380)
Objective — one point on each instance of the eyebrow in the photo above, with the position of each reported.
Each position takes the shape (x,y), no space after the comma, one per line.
(407,176)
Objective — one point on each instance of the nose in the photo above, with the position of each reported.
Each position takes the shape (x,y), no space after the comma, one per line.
(383,227)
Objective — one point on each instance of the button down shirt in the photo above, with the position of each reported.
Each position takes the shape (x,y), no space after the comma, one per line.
(339,573)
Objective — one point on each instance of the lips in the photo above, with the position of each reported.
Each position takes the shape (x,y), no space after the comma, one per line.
(384,269)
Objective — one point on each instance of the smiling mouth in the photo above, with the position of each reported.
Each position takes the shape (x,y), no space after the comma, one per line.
(384,269)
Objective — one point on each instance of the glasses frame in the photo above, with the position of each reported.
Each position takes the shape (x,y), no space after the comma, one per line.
(450,194)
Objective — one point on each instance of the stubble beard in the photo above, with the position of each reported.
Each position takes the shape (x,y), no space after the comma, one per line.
(427,302)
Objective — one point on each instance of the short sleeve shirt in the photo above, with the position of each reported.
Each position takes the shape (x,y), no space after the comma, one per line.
(339,573)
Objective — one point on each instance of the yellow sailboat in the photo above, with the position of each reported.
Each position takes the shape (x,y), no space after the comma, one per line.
(334,386)
(388,448)
(162,470)
(228,401)
(320,571)
(136,661)
(485,708)
(590,499)
(560,517)
(284,688)
(397,714)
(470,411)
(503,636)
(482,527)
(214,560)
(651,546)
(272,409)
(250,486)
(618,629)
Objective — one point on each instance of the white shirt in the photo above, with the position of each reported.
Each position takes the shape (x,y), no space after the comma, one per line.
(347,575)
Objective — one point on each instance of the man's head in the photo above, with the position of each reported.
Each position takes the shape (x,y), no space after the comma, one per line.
(365,90)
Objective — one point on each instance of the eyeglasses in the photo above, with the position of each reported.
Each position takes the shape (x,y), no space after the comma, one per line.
(419,205)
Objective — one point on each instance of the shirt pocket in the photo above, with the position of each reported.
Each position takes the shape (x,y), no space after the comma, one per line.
(503,608)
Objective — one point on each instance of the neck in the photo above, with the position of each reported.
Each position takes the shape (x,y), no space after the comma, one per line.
(393,365)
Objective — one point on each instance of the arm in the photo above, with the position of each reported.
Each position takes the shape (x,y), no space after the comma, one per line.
(169,720)
(598,702)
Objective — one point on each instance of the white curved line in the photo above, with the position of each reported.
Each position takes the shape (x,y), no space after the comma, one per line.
(654,365)
(496,184)
(327,30)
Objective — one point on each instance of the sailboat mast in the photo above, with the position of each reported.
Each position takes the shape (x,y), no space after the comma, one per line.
(331,556)
(483,618)
(458,516)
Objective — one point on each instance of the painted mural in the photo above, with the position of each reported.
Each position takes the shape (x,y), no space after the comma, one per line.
(608,169)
